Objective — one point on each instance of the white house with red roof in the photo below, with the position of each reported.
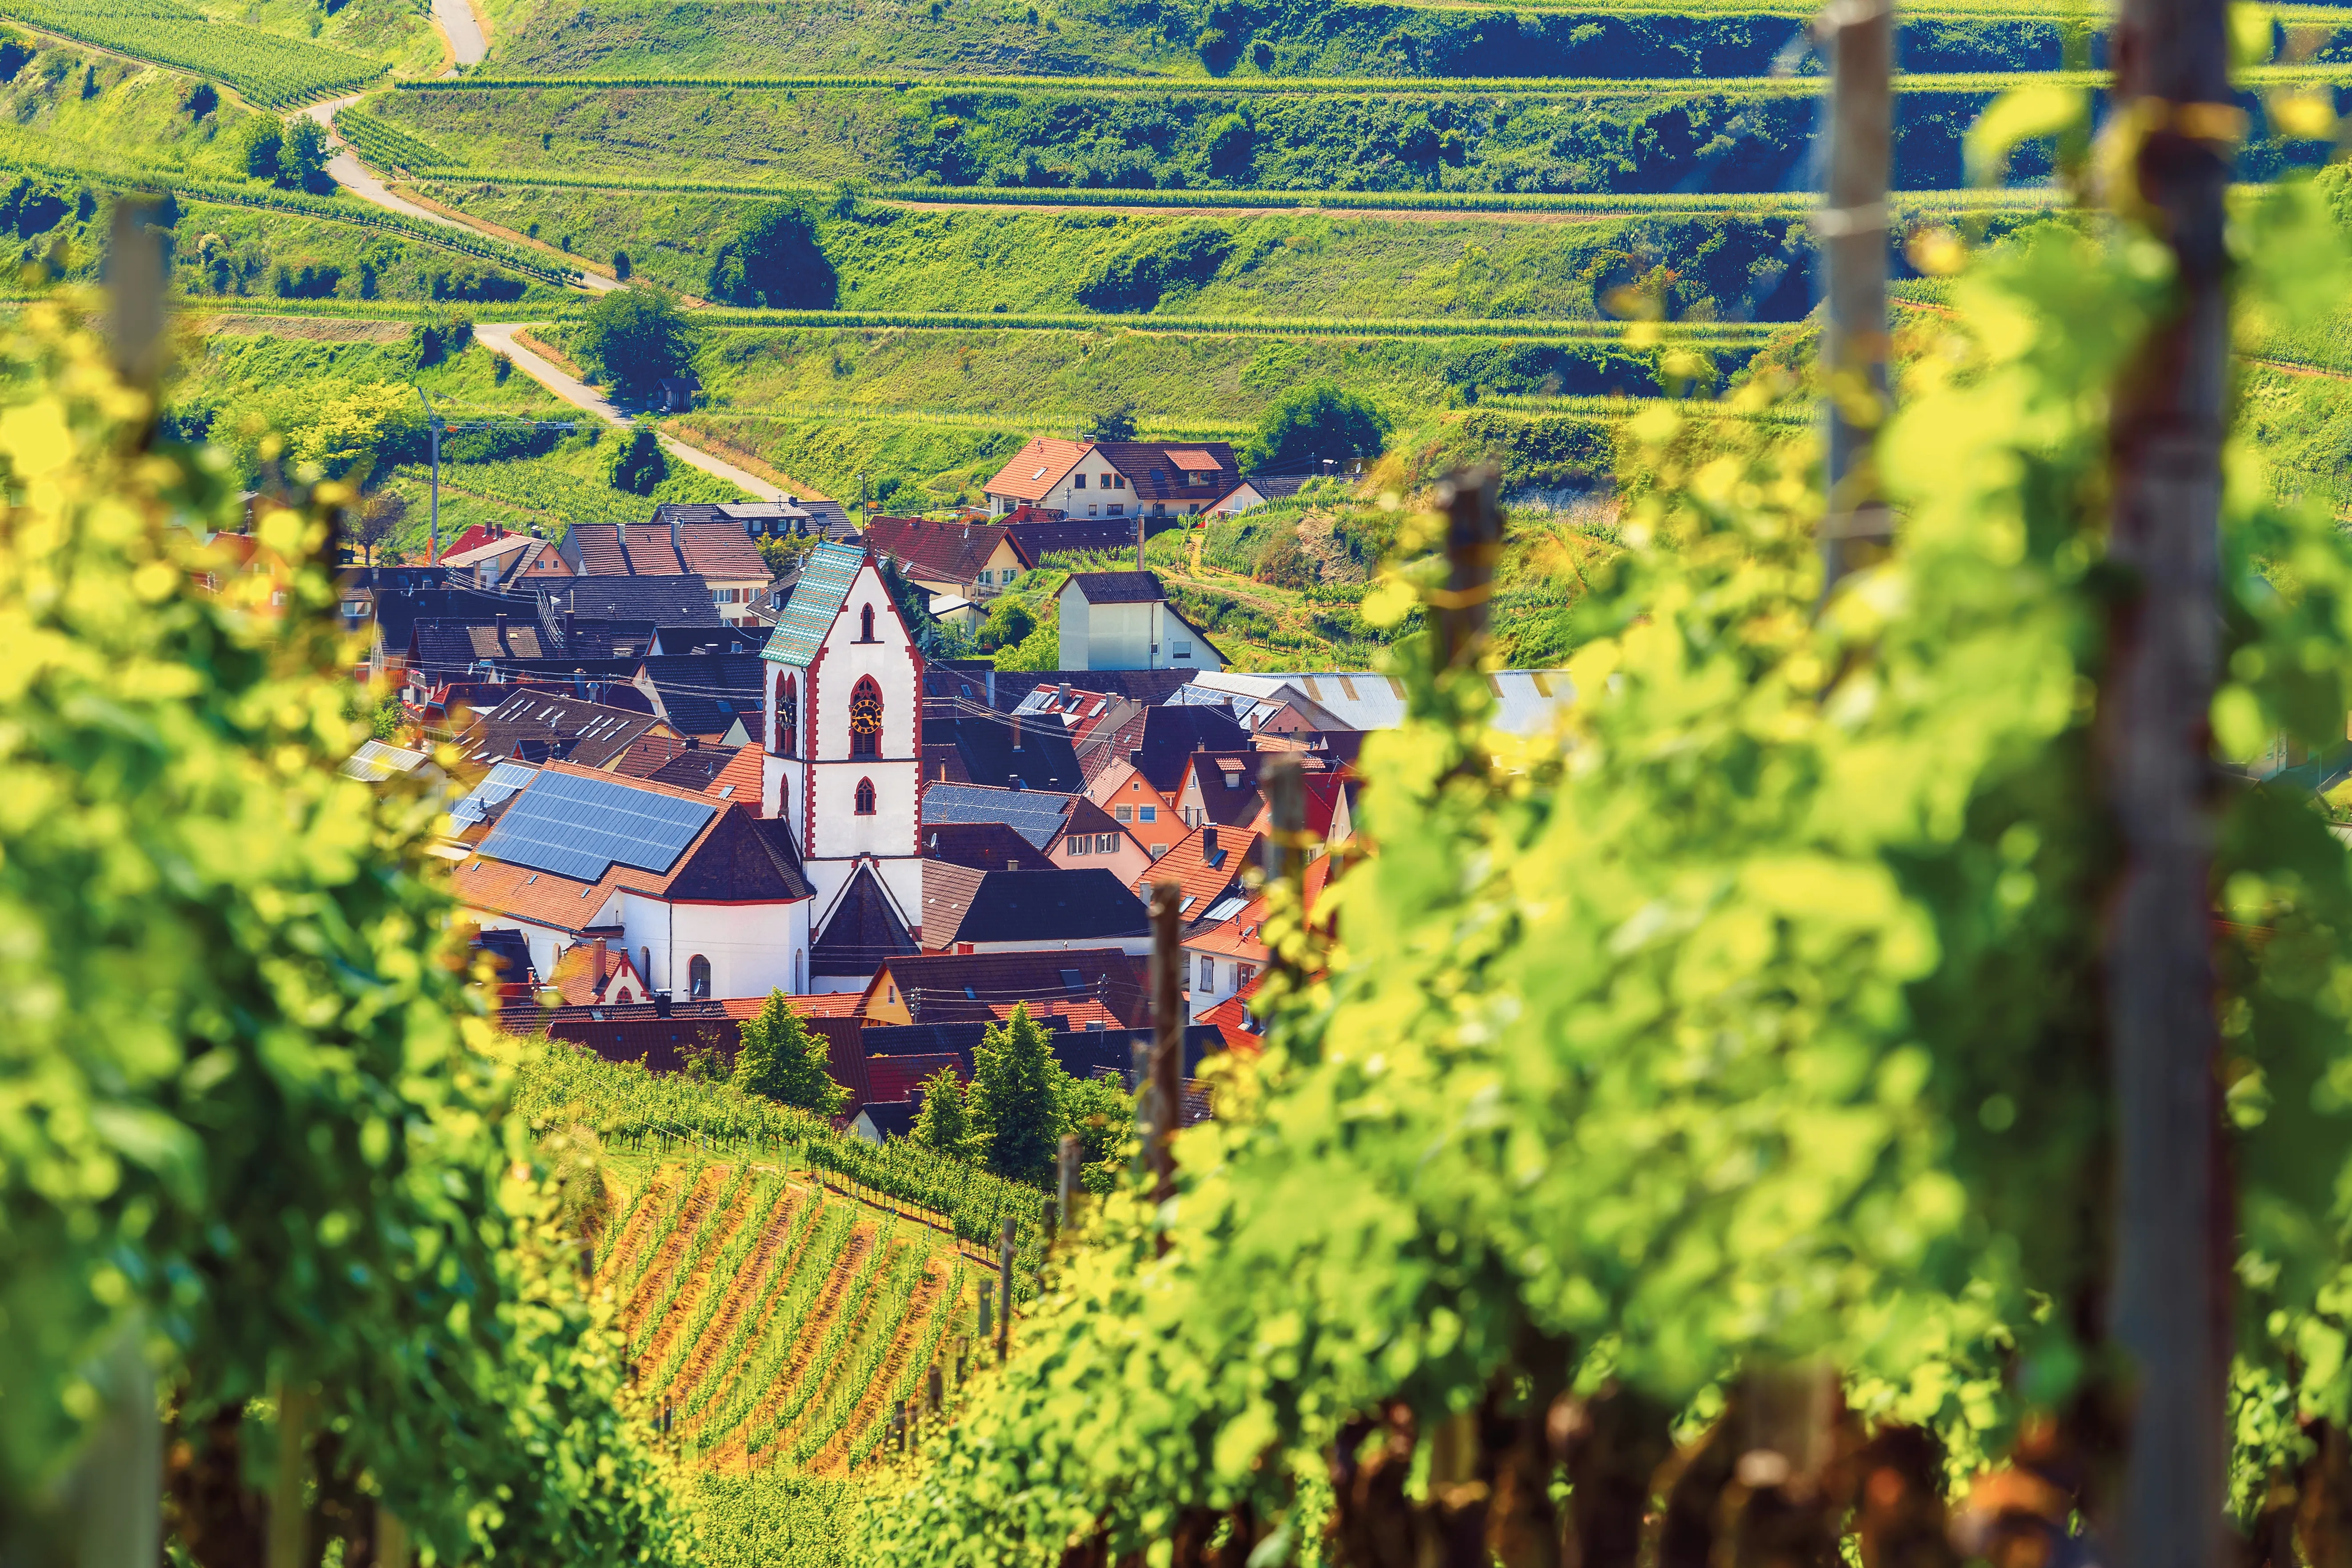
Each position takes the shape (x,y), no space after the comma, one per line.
(1114,478)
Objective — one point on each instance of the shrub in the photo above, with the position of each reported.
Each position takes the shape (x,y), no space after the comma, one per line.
(1139,274)
(638,463)
(1283,562)
(302,155)
(773,260)
(1311,424)
(259,142)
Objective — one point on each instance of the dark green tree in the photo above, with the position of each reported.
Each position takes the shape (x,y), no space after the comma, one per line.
(1102,1113)
(774,258)
(633,337)
(259,141)
(782,1060)
(944,1124)
(302,155)
(1310,424)
(638,464)
(1009,625)
(1016,1099)
(1113,425)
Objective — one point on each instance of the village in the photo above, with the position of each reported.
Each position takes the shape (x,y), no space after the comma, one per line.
(689,780)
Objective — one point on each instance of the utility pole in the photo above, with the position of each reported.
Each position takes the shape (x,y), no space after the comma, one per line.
(2170,1301)
(1852,230)
(434,427)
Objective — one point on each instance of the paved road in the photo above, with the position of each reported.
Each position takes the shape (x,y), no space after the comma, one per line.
(501,335)
(458,23)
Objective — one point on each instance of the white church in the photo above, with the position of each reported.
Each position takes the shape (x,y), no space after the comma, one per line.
(842,763)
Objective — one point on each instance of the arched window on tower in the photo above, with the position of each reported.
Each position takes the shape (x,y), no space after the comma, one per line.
(697,976)
(864,798)
(866,623)
(866,718)
(788,716)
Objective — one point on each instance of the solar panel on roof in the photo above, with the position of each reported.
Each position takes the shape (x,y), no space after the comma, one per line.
(499,784)
(1035,815)
(579,827)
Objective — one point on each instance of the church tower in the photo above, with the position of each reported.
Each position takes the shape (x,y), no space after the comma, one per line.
(845,739)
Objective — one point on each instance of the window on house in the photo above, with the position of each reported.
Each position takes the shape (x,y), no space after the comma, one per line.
(1183,650)
(866,717)
(1092,510)
(864,798)
(1115,509)
(1105,843)
(1148,814)
(1078,483)
(865,623)
(1208,973)
(697,976)
(1158,850)
(1123,813)
(1121,480)
(1241,973)
(1079,843)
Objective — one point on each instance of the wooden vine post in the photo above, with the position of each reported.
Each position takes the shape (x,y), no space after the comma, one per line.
(2169,1309)
(1166,1039)
(1004,1287)
(1859,35)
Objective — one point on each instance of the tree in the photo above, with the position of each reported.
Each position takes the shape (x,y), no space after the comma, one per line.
(638,463)
(1311,424)
(774,258)
(259,142)
(633,337)
(302,155)
(1015,1104)
(781,1060)
(1113,425)
(944,1124)
(1009,624)
(380,517)
(1101,1114)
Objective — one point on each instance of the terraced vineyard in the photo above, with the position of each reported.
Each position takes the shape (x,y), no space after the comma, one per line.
(267,68)
(773,1324)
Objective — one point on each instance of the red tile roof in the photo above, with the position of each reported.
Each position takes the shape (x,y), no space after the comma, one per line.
(938,551)
(1187,865)
(1037,468)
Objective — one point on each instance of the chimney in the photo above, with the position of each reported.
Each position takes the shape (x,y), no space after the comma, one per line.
(1069,698)
(580,683)
(502,631)
(600,965)
(569,641)
(661,1003)
(676,543)
(1013,865)
(1209,845)
(1017,721)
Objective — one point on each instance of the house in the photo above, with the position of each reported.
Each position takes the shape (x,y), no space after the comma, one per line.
(677,394)
(842,751)
(1029,911)
(597,974)
(1225,959)
(713,697)
(1091,839)
(1256,492)
(878,1122)
(719,553)
(802,512)
(983,846)
(534,726)
(1207,867)
(1083,984)
(1041,535)
(970,561)
(503,557)
(673,600)
(1114,478)
(1235,1025)
(1221,789)
(708,898)
(1122,620)
(1142,788)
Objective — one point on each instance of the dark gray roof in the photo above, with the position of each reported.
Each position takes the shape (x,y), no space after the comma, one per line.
(1092,905)
(1035,815)
(695,768)
(704,694)
(1088,537)
(1149,687)
(1171,733)
(1118,587)
(862,931)
(985,846)
(510,954)
(682,600)
(888,1118)
(537,726)
(743,860)
(1040,758)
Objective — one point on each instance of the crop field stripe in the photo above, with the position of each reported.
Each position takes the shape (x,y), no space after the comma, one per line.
(859,1444)
(821,1366)
(802,1295)
(729,1217)
(747,1312)
(1180,88)
(680,1219)
(1794,204)
(911,1299)
(631,1237)
(1736,334)
(327,208)
(834,1304)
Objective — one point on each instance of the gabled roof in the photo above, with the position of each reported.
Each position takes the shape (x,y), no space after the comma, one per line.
(1147,687)
(1035,815)
(574,979)
(1205,876)
(731,772)
(537,727)
(940,988)
(886,1118)
(895,1078)
(1037,468)
(862,931)
(948,892)
(678,601)
(984,846)
(823,587)
(1081,905)
(1228,783)
(1231,1018)
(669,546)
(1158,470)
(703,694)
(936,552)
(458,645)
(1117,587)
(733,857)
(1172,734)
(1081,536)
(652,751)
